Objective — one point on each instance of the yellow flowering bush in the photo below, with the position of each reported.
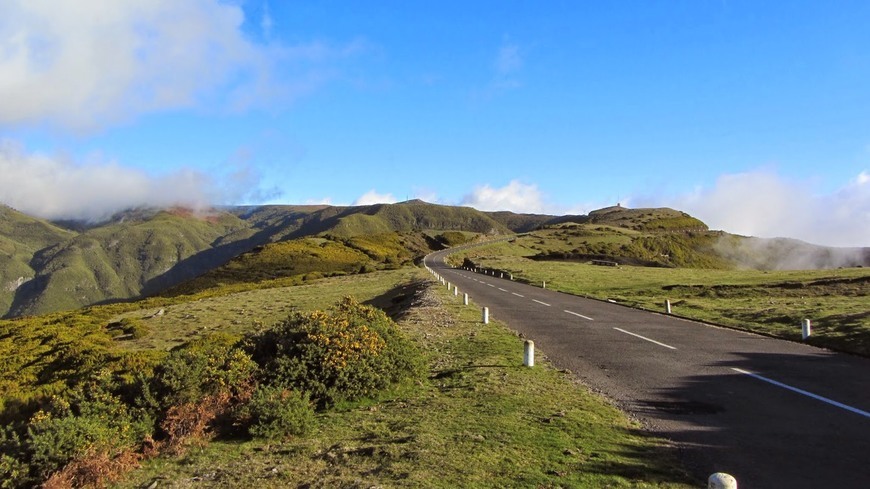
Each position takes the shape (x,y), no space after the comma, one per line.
(345,353)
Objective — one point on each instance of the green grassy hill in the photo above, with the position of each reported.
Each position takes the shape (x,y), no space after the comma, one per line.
(121,259)
(21,237)
(47,268)
(651,220)
(410,216)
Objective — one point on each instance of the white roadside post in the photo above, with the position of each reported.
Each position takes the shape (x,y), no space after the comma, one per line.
(806,328)
(465,300)
(544,284)
(529,353)
(667,306)
(455,290)
(721,480)
(485,315)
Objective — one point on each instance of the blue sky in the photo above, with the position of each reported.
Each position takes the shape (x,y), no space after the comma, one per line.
(753,116)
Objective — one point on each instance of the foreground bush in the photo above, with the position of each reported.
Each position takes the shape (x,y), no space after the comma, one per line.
(276,412)
(266,386)
(346,353)
(199,386)
(90,424)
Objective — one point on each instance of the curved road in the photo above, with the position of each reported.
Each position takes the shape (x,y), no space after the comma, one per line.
(772,413)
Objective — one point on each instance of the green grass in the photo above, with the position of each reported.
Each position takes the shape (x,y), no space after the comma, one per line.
(479,419)
(767,302)
(249,310)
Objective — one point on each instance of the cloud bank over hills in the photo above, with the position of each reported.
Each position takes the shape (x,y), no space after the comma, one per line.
(764,204)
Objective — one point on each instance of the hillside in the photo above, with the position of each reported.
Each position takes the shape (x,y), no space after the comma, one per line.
(663,237)
(45,267)
(21,237)
(48,267)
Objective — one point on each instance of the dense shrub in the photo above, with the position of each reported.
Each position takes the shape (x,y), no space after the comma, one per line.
(13,469)
(348,352)
(198,386)
(91,421)
(276,412)
(202,367)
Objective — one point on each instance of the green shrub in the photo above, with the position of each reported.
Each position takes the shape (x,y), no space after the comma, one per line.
(91,420)
(197,388)
(346,353)
(202,367)
(276,412)
(13,470)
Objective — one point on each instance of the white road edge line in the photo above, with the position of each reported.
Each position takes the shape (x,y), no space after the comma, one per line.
(645,338)
(539,302)
(806,393)
(579,315)
(518,295)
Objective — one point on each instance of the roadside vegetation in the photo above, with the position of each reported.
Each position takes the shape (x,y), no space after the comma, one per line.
(106,419)
(474,418)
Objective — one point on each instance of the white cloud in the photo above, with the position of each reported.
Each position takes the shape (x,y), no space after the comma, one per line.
(764,204)
(83,64)
(59,188)
(515,196)
(372,197)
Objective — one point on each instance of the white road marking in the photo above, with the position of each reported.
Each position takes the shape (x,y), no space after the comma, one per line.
(518,295)
(491,285)
(806,393)
(501,289)
(579,315)
(539,302)
(645,338)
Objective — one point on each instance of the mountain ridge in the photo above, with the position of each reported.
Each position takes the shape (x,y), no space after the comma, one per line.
(47,266)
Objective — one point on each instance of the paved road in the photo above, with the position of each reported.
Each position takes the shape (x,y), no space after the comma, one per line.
(772,413)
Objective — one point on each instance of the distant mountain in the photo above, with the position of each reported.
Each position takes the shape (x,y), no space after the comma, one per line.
(47,267)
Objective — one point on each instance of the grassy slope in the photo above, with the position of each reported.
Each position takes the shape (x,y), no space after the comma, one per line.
(479,420)
(118,260)
(310,258)
(21,236)
(408,217)
(145,251)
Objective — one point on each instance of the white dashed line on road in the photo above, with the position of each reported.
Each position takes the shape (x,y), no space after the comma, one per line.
(579,315)
(645,338)
(501,289)
(539,302)
(518,295)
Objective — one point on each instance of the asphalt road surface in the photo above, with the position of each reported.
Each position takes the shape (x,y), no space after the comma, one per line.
(772,413)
